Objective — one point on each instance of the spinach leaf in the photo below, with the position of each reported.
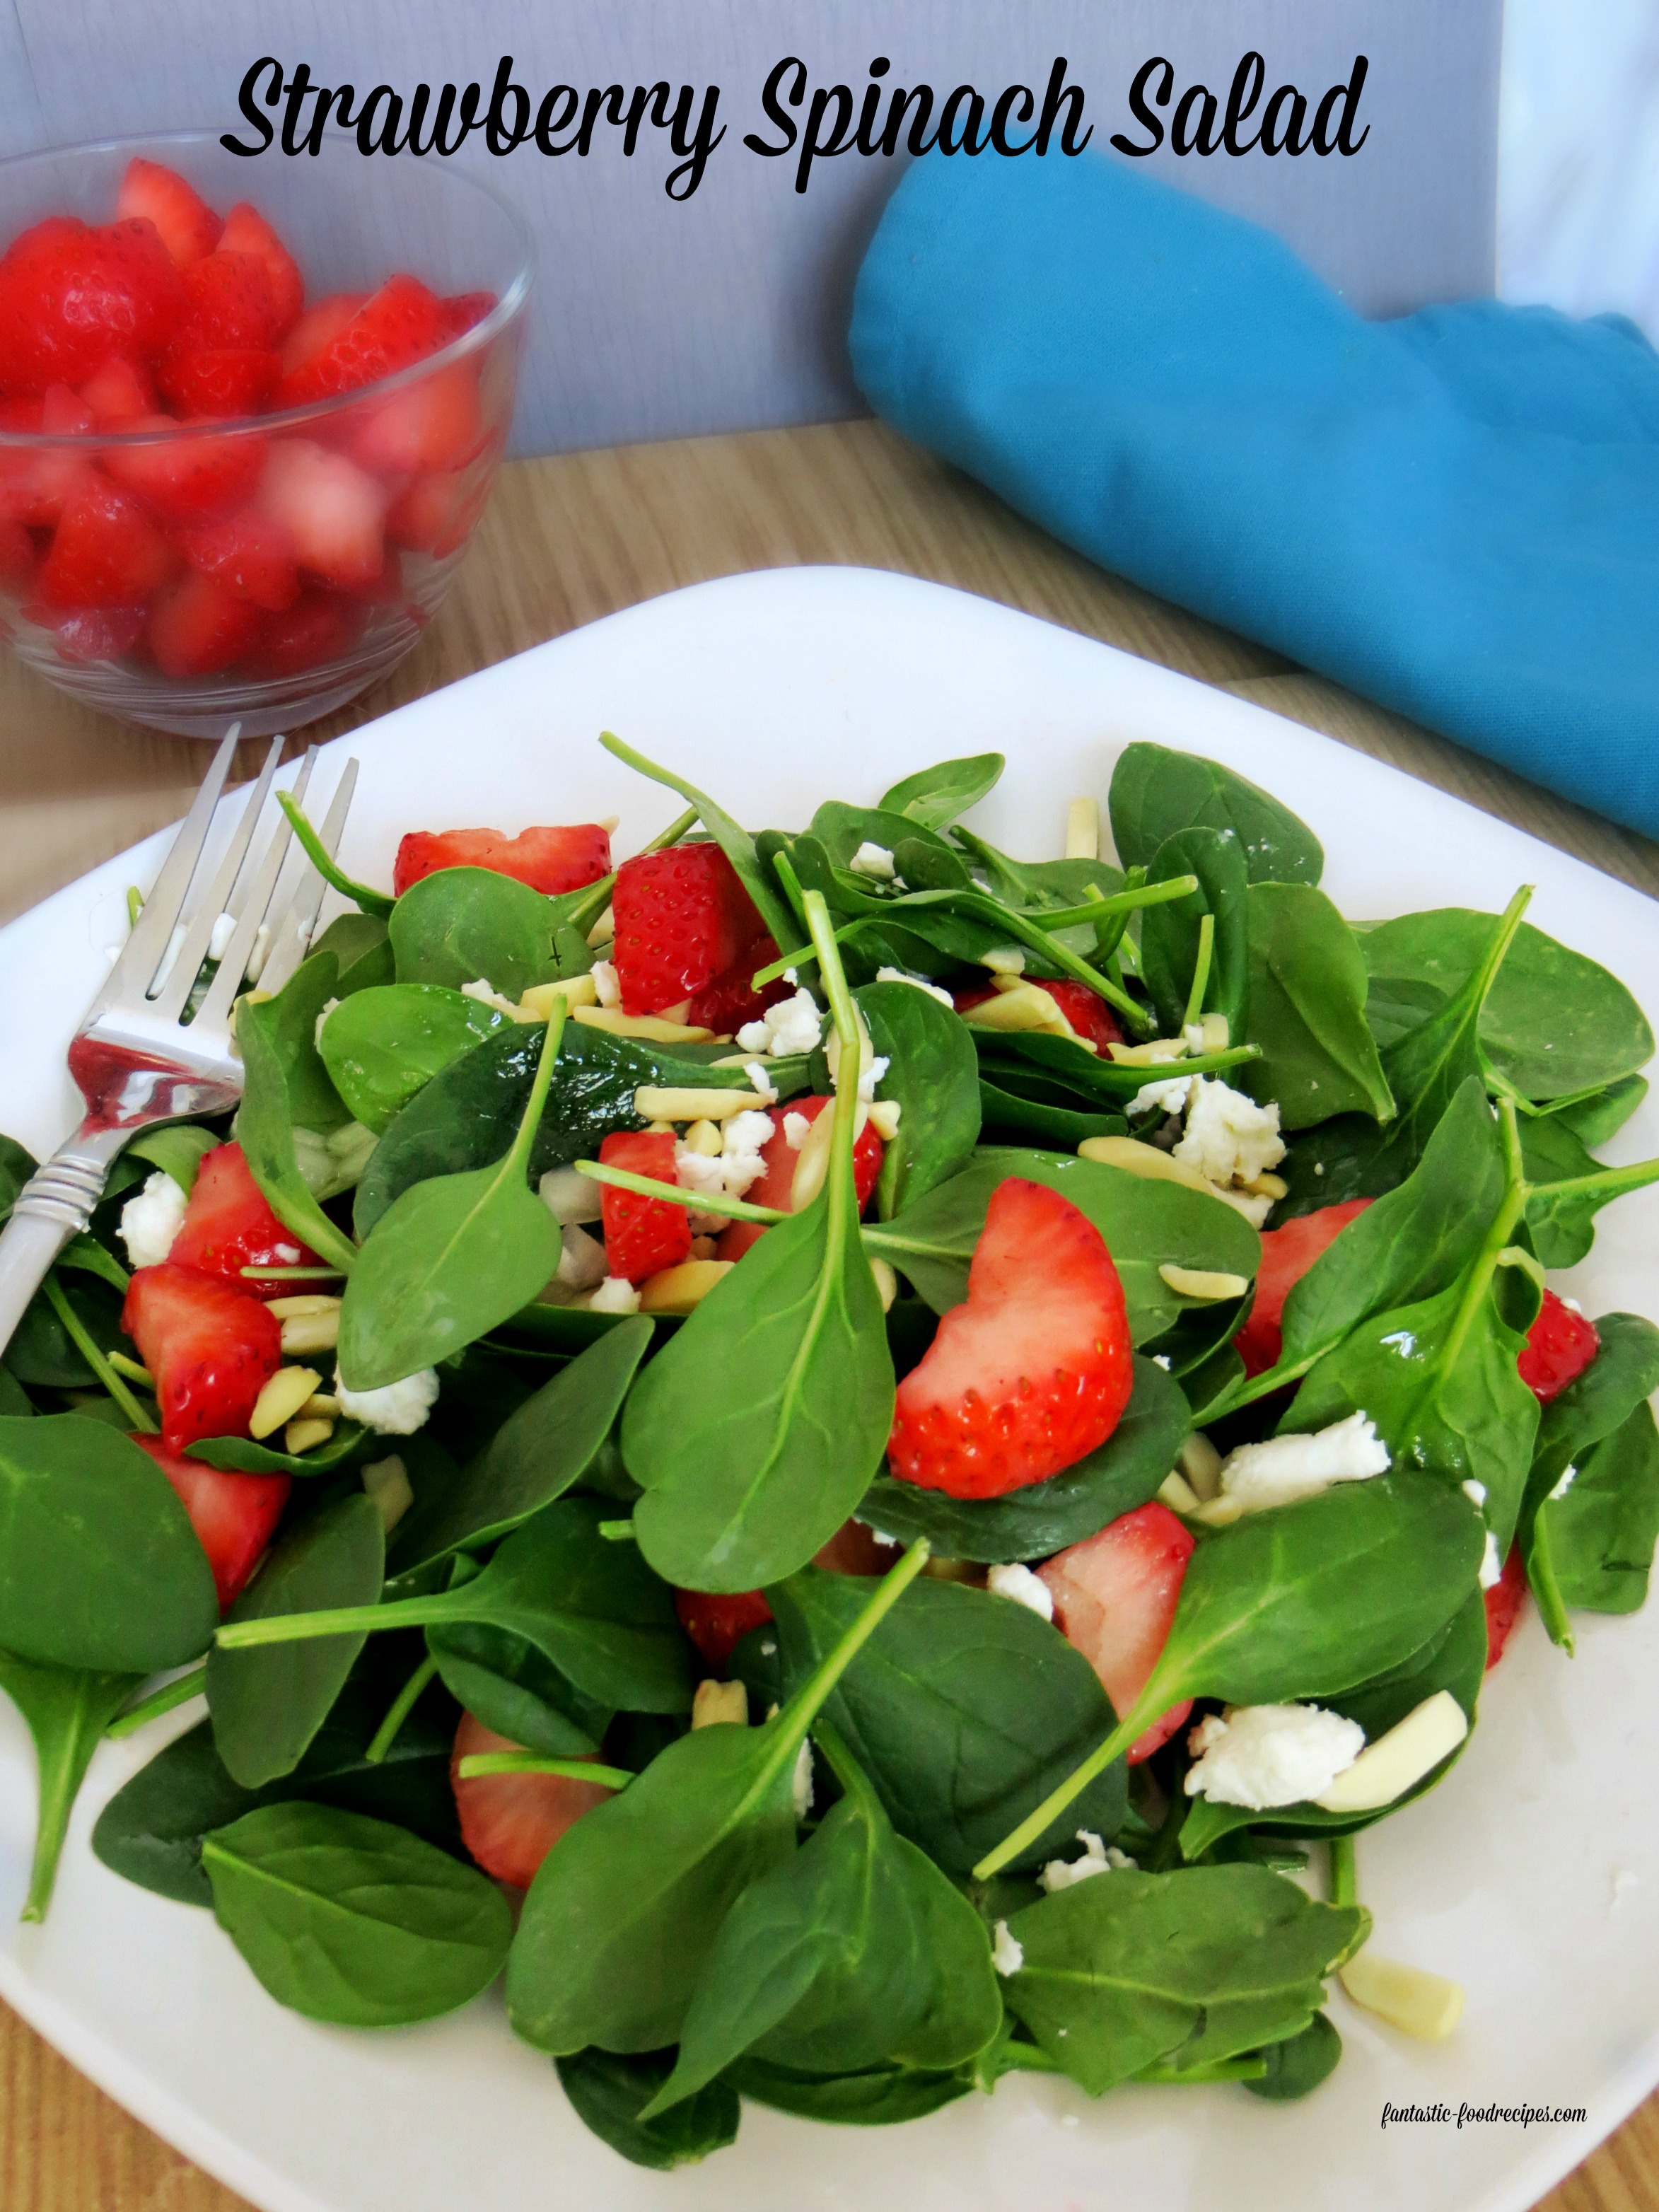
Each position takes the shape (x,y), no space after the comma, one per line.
(1037,886)
(610,2093)
(856,1952)
(1156,792)
(470,925)
(1307,999)
(1132,1968)
(244,1455)
(1012,1115)
(99,1567)
(382,1046)
(884,2098)
(732,838)
(1105,1083)
(506,1682)
(934,1073)
(535,1456)
(935,796)
(452,1257)
(841,830)
(1553,1023)
(1594,1120)
(17,1165)
(1044,1517)
(1570,1188)
(362,946)
(178,1149)
(1298,2064)
(1169,933)
(1145,1223)
(964,1710)
(67,1711)
(1591,1543)
(347,1919)
(267,1705)
(285,1087)
(372,903)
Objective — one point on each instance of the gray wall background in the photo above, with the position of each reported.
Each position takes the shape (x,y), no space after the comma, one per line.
(655,319)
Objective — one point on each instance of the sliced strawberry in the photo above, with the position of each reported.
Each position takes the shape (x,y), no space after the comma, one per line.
(1505,1603)
(400,324)
(855,1549)
(436,424)
(717,1624)
(437,514)
(106,552)
(1560,1345)
(777,1185)
(552,860)
(335,514)
(1086,1010)
(1034,1371)
(247,231)
(1286,1255)
(233,1515)
(229,1226)
(183,478)
(461,310)
(92,633)
(681,918)
(228,381)
(188,225)
(17,558)
(231,301)
(1114,1596)
(250,554)
(65,413)
(209,1348)
(36,483)
(72,297)
(731,999)
(642,1235)
(118,394)
(510,1822)
(317,328)
(319,627)
(199,626)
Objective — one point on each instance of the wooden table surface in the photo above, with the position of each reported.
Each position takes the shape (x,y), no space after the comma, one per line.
(565,541)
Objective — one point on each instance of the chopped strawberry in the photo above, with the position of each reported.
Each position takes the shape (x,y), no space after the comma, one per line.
(209,1348)
(221,380)
(436,424)
(642,1235)
(400,324)
(317,328)
(17,557)
(231,301)
(184,478)
(229,1226)
(1286,1255)
(72,297)
(681,918)
(106,552)
(1114,1596)
(118,394)
(731,999)
(548,860)
(855,1549)
(233,1515)
(1034,1371)
(1560,1345)
(510,1822)
(335,514)
(199,626)
(461,310)
(92,633)
(437,514)
(319,626)
(1087,1012)
(65,413)
(250,554)
(1505,1603)
(247,231)
(717,1624)
(777,1184)
(188,225)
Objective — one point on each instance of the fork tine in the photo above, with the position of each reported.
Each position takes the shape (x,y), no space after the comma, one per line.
(290,941)
(169,1001)
(146,947)
(215,1007)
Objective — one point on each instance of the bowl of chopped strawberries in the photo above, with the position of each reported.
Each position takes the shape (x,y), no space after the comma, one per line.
(249,423)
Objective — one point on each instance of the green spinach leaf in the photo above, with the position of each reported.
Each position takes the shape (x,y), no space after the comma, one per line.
(503,1680)
(362,946)
(933,1074)
(382,1046)
(884,2098)
(286,1089)
(1298,2064)
(732,838)
(1170,934)
(1592,1505)
(67,1711)
(1156,792)
(1307,999)
(471,925)
(610,2093)
(935,796)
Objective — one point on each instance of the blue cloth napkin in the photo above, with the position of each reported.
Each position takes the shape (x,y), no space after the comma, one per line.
(1456,514)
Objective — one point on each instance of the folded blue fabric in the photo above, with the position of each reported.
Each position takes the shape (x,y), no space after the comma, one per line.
(1456,514)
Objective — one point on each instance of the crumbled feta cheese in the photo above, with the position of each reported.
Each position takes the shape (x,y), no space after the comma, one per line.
(869,1076)
(793,1025)
(1283,1470)
(396,1409)
(1476,1494)
(1007,1953)
(607,983)
(1561,1488)
(1229,1139)
(800,1787)
(224,928)
(1168,1098)
(1193,1036)
(616,1295)
(738,1164)
(760,1082)
(1161,1359)
(1097,1858)
(1263,1755)
(1491,1563)
(796,1130)
(581,1261)
(1024,1587)
(257,956)
(329,1005)
(151,1220)
(874,862)
(919,982)
(487,995)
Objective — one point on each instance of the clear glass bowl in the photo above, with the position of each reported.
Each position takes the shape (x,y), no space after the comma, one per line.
(395,474)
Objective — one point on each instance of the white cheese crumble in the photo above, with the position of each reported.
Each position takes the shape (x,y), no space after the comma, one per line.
(1262,1756)
(1560,1490)
(224,928)
(606,982)
(616,1295)
(487,995)
(738,1164)
(874,862)
(760,1082)
(396,1409)
(151,1220)
(796,1130)
(917,982)
(261,952)
(1168,1098)
(1097,1858)
(1024,1587)
(1283,1470)
(800,1787)
(793,1025)
(1476,1493)
(1007,1952)
(1229,1137)
(1491,1563)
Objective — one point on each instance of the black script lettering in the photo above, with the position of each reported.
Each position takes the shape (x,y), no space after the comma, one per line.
(381,135)
(866,141)
(841,134)
(500,135)
(698,145)
(1006,100)
(1203,140)
(1058,94)
(247,99)
(1294,139)
(565,99)
(775,114)
(972,139)
(1348,96)
(1242,95)
(1142,114)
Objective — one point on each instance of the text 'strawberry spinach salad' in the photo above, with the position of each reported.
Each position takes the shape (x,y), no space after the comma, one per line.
(890,1434)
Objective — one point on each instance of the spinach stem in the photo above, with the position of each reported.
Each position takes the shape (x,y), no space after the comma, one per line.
(532,1762)
(698,1201)
(1146,1707)
(1540,1574)
(95,1358)
(1343,1871)
(167,1699)
(1251,2067)
(1110,904)
(367,901)
(1613,1180)
(63,1759)
(132,1370)
(618,1531)
(293,1274)
(402,1705)
(796,1717)
(517,1160)
(1026,2058)
(1200,969)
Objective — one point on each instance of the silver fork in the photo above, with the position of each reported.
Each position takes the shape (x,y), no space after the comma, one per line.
(135,1058)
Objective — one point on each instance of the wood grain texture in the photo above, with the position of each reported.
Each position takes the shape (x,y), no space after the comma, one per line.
(567,540)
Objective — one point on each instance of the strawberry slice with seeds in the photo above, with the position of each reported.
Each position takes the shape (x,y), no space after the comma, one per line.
(1034,1371)
(463,309)
(334,513)
(1286,1255)
(1560,1345)
(316,328)
(221,380)
(399,324)
(681,918)
(319,627)
(247,231)
(90,634)
(1506,1601)
(718,1622)
(107,551)
(199,626)
(230,302)
(118,394)
(732,1000)
(188,226)
(183,479)
(250,554)
(642,1235)
(1114,1596)
(436,424)
(210,1350)
(550,859)
(510,1822)
(1087,1012)
(70,296)
(229,1226)
(233,1515)
(777,1186)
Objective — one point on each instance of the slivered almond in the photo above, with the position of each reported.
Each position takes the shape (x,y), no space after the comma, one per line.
(679,1290)
(662,1102)
(282,1399)
(1082,829)
(311,1332)
(1418,2002)
(575,990)
(1203,1282)
(305,1434)
(306,1303)
(1129,1154)
(654,1028)
(717,1704)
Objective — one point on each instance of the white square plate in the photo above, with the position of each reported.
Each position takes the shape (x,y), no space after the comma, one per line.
(1532,1875)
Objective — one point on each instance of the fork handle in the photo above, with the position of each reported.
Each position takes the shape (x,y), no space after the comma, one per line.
(54,1204)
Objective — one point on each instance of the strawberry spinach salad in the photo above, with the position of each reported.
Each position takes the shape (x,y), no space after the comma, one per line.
(834,1452)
